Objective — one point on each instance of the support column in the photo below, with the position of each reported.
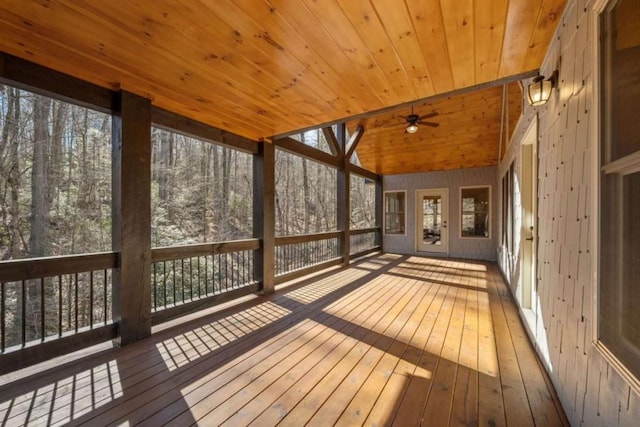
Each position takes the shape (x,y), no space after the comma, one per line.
(379,207)
(131,217)
(264,218)
(343,195)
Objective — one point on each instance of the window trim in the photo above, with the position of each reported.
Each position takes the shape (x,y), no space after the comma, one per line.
(625,165)
(384,213)
(490,208)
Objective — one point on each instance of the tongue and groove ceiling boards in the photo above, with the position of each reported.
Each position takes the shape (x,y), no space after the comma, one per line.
(461,140)
(259,68)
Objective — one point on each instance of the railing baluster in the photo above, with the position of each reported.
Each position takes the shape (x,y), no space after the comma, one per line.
(182,278)
(59,305)
(154,287)
(191,278)
(69,293)
(226,272)
(164,283)
(219,275)
(2,317)
(24,313)
(104,293)
(199,284)
(174,283)
(42,309)
(206,274)
(91,299)
(76,301)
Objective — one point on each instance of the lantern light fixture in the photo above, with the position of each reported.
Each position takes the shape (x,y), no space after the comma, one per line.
(539,90)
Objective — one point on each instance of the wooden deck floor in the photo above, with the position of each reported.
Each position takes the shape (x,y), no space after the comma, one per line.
(394,340)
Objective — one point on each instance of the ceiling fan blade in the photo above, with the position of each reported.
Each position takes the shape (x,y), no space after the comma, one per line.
(429,115)
(432,124)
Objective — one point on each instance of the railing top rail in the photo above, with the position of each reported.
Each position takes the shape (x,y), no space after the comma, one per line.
(304,238)
(35,268)
(170,253)
(364,230)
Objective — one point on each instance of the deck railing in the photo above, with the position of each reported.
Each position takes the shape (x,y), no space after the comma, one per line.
(299,255)
(364,241)
(185,278)
(55,304)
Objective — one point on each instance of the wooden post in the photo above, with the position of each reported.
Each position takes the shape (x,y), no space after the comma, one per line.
(131,216)
(343,195)
(379,206)
(264,217)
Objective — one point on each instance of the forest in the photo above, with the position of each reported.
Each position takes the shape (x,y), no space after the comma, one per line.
(55,199)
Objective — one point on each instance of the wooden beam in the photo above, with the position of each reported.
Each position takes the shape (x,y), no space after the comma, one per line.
(357,170)
(174,122)
(131,217)
(428,99)
(26,75)
(264,217)
(330,136)
(297,147)
(343,210)
(354,140)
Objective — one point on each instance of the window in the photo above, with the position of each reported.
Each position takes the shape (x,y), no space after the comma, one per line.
(475,212)
(363,202)
(619,289)
(395,203)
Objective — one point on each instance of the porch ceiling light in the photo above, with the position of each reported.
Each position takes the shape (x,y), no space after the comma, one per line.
(539,90)
(412,128)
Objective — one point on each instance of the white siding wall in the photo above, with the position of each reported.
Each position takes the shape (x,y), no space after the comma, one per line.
(453,180)
(590,389)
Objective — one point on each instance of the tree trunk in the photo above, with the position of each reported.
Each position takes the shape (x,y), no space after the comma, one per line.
(10,142)
(39,238)
(55,169)
(163,170)
(226,178)
(306,196)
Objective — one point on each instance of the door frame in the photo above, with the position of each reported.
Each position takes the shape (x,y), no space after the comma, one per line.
(529,220)
(444,193)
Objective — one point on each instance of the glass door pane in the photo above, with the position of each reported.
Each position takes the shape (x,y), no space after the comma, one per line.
(431,219)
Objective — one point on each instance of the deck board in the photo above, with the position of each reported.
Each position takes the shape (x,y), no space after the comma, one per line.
(391,340)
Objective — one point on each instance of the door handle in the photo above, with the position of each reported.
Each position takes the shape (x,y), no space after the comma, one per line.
(530,239)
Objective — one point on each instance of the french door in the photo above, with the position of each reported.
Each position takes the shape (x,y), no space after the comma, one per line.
(432,220)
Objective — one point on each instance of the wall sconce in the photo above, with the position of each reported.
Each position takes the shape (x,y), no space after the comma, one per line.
(539,90)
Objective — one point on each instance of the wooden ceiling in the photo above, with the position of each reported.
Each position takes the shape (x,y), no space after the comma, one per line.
(468,134)
(266,67)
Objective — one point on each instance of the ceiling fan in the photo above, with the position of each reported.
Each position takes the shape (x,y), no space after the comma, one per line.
(413,120)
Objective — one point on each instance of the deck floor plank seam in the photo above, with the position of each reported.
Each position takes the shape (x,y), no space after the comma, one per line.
(402,340)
